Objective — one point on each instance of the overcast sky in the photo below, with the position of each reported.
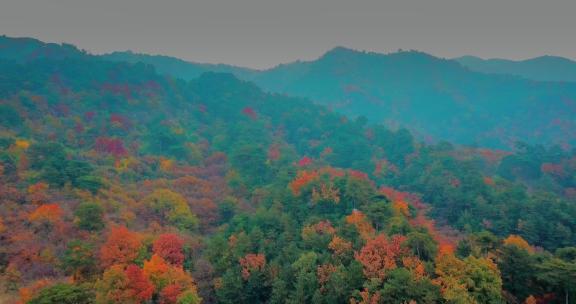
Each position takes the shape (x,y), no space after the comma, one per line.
(263,33)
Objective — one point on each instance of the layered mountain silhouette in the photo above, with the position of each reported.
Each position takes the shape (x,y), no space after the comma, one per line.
(177,67)
(544,68)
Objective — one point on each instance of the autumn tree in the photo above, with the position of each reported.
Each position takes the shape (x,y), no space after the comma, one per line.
(113,287)
(305,161)
(518,241)
(122,247)
(171,207)
(366,298)
(170,248)
(324,272)
(49,213)
(252,263)
(452,279)
(46,216)
(112,146)
(171,282)
(201,195)
(380,255)
(472,280)
(318,235)
(362,224)
(169,294)
(32,290)
(37,192)
(340,246)
(121,284)
(302,180)
(326,192)
(138,284)
(156,269)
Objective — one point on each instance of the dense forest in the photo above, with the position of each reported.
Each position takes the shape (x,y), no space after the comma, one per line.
(119,184)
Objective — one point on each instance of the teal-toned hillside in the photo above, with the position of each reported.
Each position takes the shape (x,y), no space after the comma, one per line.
(438,99)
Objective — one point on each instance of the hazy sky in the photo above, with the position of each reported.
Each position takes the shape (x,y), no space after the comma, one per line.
(263,33)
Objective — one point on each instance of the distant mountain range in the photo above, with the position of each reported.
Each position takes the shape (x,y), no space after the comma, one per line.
(177,67)
(438,99)
(545,68)
(432,96)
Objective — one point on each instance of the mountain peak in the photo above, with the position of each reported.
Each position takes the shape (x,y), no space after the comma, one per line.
(339,52)
(551,59)
(23,49)
(542,68)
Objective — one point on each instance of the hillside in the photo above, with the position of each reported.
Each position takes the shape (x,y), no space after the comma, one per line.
(437,99)
(122,185)
(545,68)
(433,97)
(178,68)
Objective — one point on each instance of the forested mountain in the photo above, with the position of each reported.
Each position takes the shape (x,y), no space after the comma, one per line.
(22,50)
(438,99)
(122,185)
(545,68)
(179,68)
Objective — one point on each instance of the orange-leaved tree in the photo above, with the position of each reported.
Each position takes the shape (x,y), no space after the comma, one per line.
(47,213)
(362,224)
(381,255)
(120,284)
(121,247)
(252,262)
(340,246)
(172,283)
(518,241)
(302,180)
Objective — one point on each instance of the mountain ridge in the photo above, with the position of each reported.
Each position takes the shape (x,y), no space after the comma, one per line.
(439,99)
(542,68)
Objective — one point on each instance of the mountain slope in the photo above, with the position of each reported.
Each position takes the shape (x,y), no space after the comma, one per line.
(432,96)
(438,99)
(108,111)
(545,68)
(176,67)
(121,185)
